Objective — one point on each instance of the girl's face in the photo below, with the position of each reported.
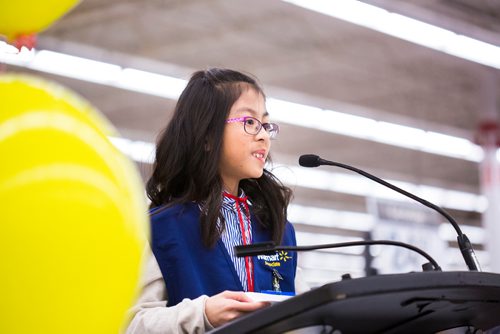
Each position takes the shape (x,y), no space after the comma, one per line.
(243,154)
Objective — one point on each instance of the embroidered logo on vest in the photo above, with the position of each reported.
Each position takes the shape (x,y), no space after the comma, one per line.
(274,260)
(284,256)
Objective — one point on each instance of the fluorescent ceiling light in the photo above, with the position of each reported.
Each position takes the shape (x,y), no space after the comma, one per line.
(310,215)
(360,186)
(137,150)
(370,129)
(283,111)
(75,67)
(151,83)
(323,238)
(406,28)
(97,72)
(439,143)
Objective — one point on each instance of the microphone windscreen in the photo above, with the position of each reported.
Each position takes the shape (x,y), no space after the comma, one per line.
(309,160)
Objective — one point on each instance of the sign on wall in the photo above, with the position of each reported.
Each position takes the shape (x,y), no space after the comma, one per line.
(409,223)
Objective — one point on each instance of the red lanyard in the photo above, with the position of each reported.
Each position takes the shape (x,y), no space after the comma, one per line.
(245,237)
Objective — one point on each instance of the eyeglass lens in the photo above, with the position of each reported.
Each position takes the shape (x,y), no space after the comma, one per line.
(253,126)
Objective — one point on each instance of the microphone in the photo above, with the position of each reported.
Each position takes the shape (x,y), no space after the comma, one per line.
(269,248)
(311,160)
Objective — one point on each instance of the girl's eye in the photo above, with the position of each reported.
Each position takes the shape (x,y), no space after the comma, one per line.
(250,121)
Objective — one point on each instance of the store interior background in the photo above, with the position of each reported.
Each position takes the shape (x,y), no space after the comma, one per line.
(338,89)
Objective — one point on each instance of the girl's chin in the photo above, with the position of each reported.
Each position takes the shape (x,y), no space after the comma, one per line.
(259,174)
(255,175)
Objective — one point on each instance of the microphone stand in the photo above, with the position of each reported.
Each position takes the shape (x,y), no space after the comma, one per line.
(269,248)
(465,245)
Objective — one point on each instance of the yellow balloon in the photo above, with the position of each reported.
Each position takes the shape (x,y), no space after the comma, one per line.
(30,16)
(73,220)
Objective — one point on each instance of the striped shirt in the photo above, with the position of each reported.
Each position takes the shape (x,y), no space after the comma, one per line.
(231,236)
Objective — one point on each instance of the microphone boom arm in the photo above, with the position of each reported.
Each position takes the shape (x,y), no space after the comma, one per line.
(399,190)
(311,160)
(270,248)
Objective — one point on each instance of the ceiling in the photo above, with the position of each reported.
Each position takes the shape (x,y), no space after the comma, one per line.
(305,57)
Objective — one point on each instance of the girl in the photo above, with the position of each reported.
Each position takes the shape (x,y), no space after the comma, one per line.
(209,192)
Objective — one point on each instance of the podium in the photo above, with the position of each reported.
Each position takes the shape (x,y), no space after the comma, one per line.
(423,302)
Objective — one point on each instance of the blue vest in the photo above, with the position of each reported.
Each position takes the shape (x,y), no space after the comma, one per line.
(190,269)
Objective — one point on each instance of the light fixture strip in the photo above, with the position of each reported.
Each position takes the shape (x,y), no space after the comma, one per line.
(284,111)
(406,28)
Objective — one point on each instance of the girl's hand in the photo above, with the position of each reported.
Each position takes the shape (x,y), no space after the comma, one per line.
(229,305)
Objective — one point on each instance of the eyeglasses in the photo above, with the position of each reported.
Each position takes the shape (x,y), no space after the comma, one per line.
(253,126)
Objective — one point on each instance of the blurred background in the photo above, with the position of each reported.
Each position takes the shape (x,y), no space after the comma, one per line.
(406,90)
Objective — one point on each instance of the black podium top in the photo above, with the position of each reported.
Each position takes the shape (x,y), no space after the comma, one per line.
(424,302)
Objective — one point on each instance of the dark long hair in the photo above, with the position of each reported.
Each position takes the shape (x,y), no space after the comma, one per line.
(186,167)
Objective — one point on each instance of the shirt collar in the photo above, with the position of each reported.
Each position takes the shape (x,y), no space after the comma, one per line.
(229,200)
